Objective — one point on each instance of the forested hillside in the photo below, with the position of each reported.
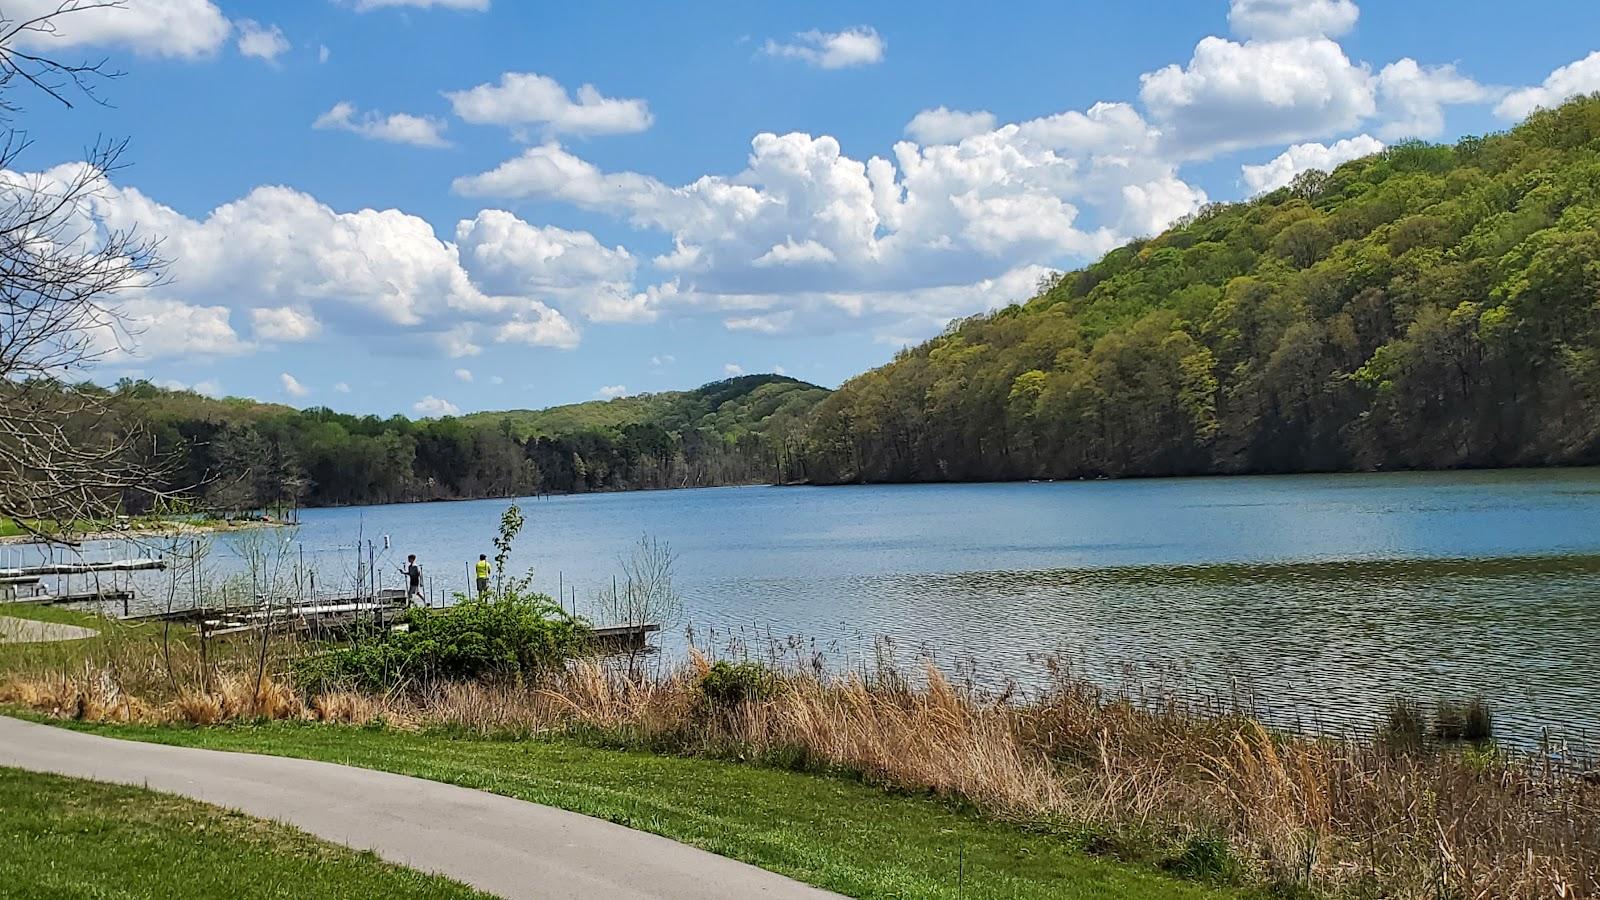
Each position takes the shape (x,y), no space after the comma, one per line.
(1427,307)
(247,455)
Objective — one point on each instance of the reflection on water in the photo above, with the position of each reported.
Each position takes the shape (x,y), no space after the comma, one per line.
(1320,596)
(1327,643)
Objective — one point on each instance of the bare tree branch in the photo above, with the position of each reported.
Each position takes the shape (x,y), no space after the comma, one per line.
(56,79)
(67,460)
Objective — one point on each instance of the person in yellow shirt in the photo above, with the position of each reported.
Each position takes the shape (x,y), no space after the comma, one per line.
(483,574)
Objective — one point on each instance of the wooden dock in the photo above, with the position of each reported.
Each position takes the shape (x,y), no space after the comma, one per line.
(321,616)
(624,638)
(34,573)
(25,584)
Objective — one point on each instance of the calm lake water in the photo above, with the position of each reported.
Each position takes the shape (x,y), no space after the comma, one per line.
(1318,596)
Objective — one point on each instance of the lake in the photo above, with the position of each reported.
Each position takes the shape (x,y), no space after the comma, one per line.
(1319,597)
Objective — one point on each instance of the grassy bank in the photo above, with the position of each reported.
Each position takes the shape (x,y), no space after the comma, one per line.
(832,832)
(13,531)
(1160,787)
(69,838)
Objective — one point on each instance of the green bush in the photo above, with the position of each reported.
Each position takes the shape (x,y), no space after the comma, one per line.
(513,635)
(1205,858)
(727,685)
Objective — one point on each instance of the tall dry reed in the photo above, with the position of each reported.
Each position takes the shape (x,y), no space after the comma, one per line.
(1343,817)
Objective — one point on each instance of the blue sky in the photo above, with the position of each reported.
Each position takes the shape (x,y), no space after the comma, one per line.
(422,206)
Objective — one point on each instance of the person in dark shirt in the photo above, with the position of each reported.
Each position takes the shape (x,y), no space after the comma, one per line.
(413,573)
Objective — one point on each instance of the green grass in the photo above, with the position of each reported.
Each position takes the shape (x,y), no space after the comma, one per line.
(835,833)
(40,612)
(66,838)
(113,637)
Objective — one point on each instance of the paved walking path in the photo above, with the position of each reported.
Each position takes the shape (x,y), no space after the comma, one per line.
(504,846)
(26,631)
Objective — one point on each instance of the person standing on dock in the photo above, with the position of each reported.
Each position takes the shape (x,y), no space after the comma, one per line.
(413,573)
(483,575)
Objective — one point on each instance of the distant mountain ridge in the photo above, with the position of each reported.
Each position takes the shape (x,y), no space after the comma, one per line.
(745,401)
(247,454)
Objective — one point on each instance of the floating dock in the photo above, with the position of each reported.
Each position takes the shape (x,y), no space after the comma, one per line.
(34,573)
(25,584)
(330,616)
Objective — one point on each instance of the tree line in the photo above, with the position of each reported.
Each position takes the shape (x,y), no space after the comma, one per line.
(1426,307)
(235,455)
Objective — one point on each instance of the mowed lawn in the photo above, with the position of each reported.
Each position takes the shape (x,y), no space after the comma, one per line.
(66,838)
(835,833)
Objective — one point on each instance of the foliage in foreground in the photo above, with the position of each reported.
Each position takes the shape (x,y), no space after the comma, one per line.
(1216,798)
(1426,307)
(70,838)
(512,635)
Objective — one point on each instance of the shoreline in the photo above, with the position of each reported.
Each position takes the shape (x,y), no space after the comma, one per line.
(165,530)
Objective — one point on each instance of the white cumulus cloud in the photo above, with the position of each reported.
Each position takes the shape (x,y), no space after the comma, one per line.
(396,128)
(284,323)
(612,391)
(1305,157)
(732,369)
(296,266)
(858,46)
(165,327)
(464,375)
(1412,98)
(547,328)
(1279,19)
(292,385)
(264,42)
(185,29)
(569,268)
(527,98)
(1235,96)
(1581,77)
(805,230)
(435,407)
(947,126)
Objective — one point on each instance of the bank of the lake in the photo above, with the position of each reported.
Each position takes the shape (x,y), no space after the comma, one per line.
(14,533)
(835,833)
(1315,599)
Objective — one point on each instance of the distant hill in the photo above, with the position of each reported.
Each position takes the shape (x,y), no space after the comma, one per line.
(1425,307)
(746,404)
(246,454)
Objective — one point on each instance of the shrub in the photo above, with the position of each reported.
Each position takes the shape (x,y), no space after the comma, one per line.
(512,635)
(1405,727)
(727,685)
(1205,858)
(1470,721)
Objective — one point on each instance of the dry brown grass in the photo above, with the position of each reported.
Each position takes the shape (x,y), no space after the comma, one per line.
(1344,817)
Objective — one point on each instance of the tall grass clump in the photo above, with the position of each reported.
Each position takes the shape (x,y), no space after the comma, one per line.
(1220,798)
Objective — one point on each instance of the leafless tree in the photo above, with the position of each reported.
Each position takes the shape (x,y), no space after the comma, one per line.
(646,594)
(65,459)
